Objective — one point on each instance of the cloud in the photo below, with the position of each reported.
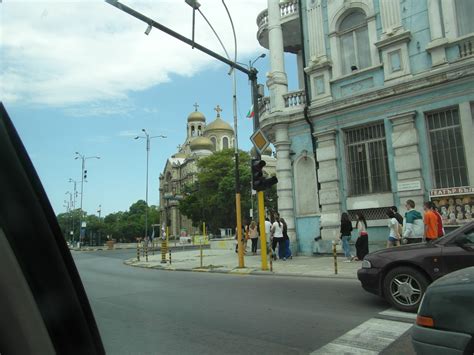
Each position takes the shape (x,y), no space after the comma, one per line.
(128,133)
(67,53)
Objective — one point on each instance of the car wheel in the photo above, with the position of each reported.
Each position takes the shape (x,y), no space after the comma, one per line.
(404,287)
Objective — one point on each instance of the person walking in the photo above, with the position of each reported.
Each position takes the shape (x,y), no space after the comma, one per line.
(431,222)
(362,242)
(253,236)
(268,234)
(413,225)
(287,239)
(277,232)
(394,230)
(398,216)
(439,219)
(345,236)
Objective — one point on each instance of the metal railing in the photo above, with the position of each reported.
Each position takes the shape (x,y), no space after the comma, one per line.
(287,8)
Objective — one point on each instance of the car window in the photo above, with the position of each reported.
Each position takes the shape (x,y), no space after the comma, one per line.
(469,238)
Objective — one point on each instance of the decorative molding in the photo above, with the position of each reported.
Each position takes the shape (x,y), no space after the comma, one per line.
(395,39)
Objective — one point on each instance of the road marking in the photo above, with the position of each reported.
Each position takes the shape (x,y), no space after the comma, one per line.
(391,312)
(370,338)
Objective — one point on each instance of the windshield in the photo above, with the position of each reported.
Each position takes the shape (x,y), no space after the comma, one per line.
(220,169)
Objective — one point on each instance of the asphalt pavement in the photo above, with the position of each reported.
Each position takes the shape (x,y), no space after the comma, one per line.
(146,311)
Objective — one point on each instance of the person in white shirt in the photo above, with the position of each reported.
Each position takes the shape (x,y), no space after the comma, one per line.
(394,230)
(277,233)
(268,236)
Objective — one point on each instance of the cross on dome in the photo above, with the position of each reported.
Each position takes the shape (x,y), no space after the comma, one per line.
(196,106)
(218,110)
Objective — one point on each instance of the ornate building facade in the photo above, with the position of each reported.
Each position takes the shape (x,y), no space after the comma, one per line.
(202,140)
(388,87)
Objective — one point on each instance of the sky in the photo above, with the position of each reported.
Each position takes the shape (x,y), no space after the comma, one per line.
(82,76)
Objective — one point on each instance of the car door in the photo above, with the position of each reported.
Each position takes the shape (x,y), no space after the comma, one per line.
(43,305)
(459,252)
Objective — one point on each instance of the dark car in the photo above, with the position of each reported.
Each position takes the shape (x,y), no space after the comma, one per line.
(401,275)
(445,321)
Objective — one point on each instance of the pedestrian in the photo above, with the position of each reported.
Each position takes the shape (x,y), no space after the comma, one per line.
(253,236)
(439,218)
(398,216)
(268,236)
(413,228)
(431,222)
(287,239)
(345,236)
(245,235)
(277,232)
(362,242)
(394,235)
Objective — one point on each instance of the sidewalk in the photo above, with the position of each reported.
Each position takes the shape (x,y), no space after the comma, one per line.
(118,246)
(226,261)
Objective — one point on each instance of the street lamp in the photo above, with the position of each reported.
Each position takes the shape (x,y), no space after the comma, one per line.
(83,176)
(148,138)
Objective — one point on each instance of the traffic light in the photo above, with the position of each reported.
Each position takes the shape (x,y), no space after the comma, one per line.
(85,174)
(259,182)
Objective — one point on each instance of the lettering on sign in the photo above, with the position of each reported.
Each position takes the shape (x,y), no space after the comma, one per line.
(452,191)
(409,185)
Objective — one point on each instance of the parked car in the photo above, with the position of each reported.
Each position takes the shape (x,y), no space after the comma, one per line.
(401,275)
(445,320)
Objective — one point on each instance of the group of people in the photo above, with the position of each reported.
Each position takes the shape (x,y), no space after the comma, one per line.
(276,235)
(413,228)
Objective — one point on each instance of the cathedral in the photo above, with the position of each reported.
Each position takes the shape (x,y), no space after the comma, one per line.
(202,140)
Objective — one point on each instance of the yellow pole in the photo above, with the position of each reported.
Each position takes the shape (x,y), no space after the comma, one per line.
(263,237)
(239,231)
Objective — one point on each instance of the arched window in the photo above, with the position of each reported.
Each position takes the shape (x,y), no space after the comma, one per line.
(225,143)
(193,132)
(306,186)
(464,11)
(354,42)
(214,142)
(199,131)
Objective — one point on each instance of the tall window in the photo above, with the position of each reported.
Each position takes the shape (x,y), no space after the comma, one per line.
(214,142)
(225,143)
(354,42)
(464,16)
(447,148)
(367,160)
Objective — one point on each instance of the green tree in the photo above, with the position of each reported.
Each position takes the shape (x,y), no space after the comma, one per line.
(212,197)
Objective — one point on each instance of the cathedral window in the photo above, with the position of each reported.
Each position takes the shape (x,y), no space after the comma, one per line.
(225,143)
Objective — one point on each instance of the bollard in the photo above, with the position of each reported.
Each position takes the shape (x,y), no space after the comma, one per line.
(146,251)
(200,250)
(169,251)
(271,259)
(163,251)
(335,256)
(153,246)
(138,249)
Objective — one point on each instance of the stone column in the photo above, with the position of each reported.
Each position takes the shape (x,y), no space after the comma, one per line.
(328,177)
(407,159)
(466,117)
(277,80)
(285,181)
(390,13)
(317,47)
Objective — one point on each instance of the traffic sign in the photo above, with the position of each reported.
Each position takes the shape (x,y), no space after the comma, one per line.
(259,141)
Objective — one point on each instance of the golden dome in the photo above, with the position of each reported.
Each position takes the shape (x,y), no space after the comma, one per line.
(201,143)
(196,116)
(180,155)
(219,125)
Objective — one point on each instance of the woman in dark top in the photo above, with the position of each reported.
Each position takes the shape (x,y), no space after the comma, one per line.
(346,230)
(286,239)
(362,243)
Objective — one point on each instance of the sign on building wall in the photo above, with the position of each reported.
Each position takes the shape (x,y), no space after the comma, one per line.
(456,204)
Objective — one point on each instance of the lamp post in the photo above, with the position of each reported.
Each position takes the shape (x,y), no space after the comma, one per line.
(148,138)
(73,206)
(83,176)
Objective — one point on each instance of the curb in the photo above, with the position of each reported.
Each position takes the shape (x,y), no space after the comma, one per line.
(172,248)
(239,272)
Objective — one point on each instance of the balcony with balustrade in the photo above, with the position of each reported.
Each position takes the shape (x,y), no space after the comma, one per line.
(289,19)
(294,101)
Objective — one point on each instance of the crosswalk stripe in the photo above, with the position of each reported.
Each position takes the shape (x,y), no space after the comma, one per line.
(398,314)
(371,337)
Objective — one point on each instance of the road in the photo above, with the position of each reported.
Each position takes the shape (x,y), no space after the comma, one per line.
(143,311)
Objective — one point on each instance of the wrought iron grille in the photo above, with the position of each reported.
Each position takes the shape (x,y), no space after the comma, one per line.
(370,213)
(367,162)
(448,159)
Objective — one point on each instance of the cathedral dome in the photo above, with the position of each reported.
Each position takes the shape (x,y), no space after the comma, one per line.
(201,143)
(196,116)
(219,125)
